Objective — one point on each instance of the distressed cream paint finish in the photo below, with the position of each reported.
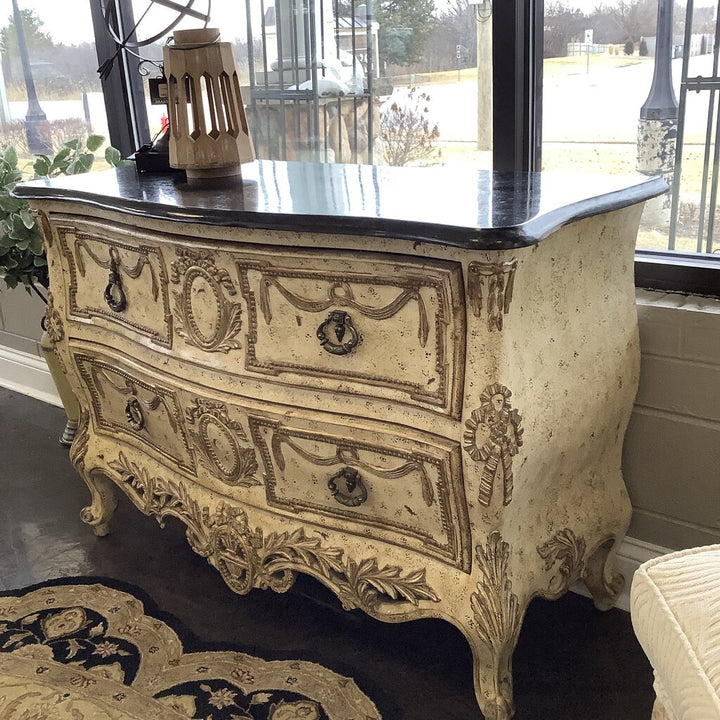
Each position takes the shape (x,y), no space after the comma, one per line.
(435,434)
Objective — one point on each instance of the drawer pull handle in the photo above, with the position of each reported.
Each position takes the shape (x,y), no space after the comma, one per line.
(134,414)
(347,487)
(114,293)
(337,334)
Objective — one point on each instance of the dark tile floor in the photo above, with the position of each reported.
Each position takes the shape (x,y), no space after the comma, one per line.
(572,662)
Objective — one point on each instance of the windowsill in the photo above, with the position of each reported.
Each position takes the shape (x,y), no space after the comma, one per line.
(686,273)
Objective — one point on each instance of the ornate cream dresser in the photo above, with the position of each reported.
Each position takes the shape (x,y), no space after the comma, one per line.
(410,385)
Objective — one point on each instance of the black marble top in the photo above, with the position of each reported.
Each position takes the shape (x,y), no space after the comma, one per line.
(459,206)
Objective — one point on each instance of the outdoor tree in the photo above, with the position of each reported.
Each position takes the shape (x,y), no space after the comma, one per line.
(407,132)
(563,24)
(36,40)
(405,26)
(636,18)
(456,25)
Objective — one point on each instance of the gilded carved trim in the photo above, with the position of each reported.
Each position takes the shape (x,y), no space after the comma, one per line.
(447,494)
(492,436)
(495,606)
(198,268)
(79,447)
(565,548)
(498,294)
(247,558)
(215,438)
(339,292)
(150,257)
(43,222)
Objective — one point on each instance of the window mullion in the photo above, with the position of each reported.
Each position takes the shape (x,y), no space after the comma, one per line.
(517,85)
(123,88)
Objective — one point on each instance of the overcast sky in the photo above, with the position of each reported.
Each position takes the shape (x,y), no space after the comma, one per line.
(68,21)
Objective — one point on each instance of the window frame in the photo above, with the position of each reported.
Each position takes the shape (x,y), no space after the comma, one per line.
(517,55)
(123,87)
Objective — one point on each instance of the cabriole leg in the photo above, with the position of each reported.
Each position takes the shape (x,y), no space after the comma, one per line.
(103,501)
(496,616)
(600,577)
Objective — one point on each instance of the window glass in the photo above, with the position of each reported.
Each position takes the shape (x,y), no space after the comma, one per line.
(600,116)
(52,95)
(331,81)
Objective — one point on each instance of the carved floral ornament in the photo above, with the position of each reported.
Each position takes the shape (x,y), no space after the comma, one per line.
(53,321)
(495,606)
(493,435)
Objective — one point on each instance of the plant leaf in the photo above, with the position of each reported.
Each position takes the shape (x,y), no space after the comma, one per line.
(41,166)
(94,142)
(82,164)
(113,156)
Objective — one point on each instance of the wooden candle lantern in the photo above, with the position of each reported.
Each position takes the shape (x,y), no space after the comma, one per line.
(208,128)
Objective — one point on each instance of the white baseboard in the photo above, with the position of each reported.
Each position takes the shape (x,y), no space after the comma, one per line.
(631,554)
(27,374)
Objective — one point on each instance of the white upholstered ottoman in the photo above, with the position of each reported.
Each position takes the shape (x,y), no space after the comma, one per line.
(675,609)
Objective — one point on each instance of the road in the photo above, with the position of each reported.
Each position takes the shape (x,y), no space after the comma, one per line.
(602,106)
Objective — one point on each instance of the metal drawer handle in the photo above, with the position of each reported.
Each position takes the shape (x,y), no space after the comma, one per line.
(347,487)
(114,293)
(337,334)
(134,414)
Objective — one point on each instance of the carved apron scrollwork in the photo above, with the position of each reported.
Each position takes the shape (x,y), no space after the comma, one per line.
(248,558)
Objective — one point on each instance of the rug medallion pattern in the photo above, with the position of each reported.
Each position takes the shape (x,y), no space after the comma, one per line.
(90,652)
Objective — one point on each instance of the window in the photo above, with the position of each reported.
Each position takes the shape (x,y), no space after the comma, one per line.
(49,89)
(518,34)
(610,92)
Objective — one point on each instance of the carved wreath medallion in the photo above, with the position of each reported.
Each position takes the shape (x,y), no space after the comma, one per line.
(203,291)
(215,436)
(493,435)
(248,558)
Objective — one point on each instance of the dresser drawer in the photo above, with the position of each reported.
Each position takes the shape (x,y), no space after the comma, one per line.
(117,278)
(363,324)
(404,488)
(373,325)
(127,403)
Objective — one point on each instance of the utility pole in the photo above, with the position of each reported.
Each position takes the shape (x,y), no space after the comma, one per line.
(36,124)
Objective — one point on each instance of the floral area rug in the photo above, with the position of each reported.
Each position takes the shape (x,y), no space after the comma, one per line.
(90,652)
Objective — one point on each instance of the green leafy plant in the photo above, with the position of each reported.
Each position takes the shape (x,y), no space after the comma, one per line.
(22,254)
